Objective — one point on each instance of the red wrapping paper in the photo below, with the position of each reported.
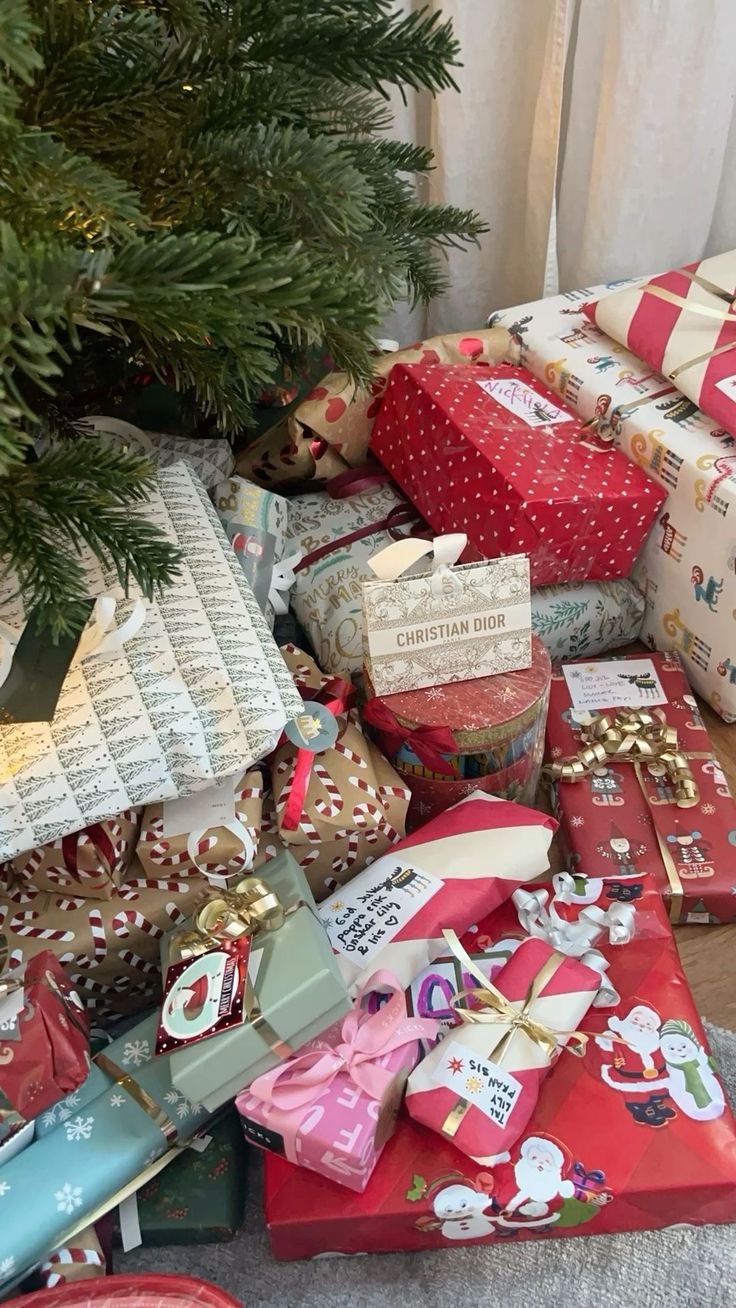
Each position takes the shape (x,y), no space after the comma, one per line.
(620,824)
(513,483)
(140,1290)
(50,1056)
(592,1159)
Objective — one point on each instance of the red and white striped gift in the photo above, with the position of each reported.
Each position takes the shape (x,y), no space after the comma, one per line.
(683,323)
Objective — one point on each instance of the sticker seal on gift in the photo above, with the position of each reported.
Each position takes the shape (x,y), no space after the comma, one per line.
(361,921)
(487,1086)
(314,729)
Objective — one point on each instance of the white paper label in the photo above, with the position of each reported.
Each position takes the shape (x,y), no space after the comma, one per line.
(490,1088)
(363,917)
(523,402)
(613,683)
(206,809)
(10,1007)
(728,386)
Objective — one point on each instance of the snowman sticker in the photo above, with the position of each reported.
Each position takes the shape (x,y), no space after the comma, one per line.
(460,1206)
(692,1083)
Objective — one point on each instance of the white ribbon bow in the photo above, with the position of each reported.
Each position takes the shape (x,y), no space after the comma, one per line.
(389,563)
(237,829)
(282,579)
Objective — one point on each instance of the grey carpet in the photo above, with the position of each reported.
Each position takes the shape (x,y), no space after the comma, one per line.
(685,1267)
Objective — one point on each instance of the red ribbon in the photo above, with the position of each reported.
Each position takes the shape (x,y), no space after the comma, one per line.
(355,480)
(337,695)
(99,836)
(428,743)
(398,515)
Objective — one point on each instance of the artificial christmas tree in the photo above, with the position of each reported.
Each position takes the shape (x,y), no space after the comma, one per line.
(195,191)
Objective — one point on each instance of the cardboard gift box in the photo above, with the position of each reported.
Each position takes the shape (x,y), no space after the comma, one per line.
(621,821)
(634,1135)
(200,692)
(213,833)
(492,452)
(687,569)
(91,862)
(287,988)
(255,521)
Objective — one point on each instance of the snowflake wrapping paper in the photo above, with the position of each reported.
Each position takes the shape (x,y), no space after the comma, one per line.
(584,618)
(89,1146)
(200,693)
(687,568)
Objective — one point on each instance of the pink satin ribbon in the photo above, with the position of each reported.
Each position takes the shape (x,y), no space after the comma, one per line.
(337,695)
(366,1037)
(428,743)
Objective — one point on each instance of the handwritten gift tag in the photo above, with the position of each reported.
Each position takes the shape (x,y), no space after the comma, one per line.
(613,683)
(362,918)
(486,1085)
(451,624)
(522,401)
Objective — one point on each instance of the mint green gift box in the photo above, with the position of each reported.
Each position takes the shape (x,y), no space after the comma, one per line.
(299,990)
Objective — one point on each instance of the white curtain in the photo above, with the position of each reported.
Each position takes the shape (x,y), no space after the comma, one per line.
(596,137)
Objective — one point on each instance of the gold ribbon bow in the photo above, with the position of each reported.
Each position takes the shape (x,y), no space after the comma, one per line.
(630,736)
(497,1009)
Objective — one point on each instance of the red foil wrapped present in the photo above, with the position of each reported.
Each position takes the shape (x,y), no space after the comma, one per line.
(44,1046)
(495,453)
(622,821)
(634,1135)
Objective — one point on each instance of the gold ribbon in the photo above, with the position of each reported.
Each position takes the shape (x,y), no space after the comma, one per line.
(499,1010)
(701,311)
(630,736)
(141,1097)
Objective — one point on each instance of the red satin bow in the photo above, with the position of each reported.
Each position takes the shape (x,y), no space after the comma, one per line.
(428,743)
(337,695)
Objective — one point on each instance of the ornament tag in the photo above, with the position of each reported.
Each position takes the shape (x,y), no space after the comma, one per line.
(204,995)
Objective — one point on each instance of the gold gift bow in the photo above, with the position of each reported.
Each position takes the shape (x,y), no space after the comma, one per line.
(702,311)
(629,736)
(500,1010)
(250,908)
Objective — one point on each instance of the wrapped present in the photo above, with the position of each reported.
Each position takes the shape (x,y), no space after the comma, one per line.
(336,536)
(650,1147)
(583,618)
(255,522)
(479,1086)
(45,1040)
(110,949)
(330,429)
(209,457)
(126,1115)
(681,324)
(446,741)
(333,1106)
(447,874)
(213,833)
(200,1197)
(341,808)
(252,972)
(80,1260)
(687,569)
(492,452)
(200,692)
(638,789)
(91,862)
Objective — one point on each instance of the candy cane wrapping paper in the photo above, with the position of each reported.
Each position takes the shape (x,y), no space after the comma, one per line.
(687,568)
(450,872)
(91,862)
(478,1087)
(221,854)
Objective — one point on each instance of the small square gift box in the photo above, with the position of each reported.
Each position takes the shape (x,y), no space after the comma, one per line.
(449,873)
(495,453)
(44,1041)
(247,982)
(213,833)
(333,1106)
(92,862)
(479,1086)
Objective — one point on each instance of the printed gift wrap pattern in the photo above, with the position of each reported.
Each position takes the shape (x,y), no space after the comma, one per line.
(200,693)
(255,523)
(687,568)
(584,618)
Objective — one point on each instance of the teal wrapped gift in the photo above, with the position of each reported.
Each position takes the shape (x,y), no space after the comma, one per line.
(89,1146)
(583,618)
(294,988)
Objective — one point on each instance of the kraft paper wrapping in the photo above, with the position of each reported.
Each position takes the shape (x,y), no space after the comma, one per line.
(687,568)
(222,853)
(92,862)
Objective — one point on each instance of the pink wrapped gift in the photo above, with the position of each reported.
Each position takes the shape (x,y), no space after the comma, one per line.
(479,1086)
(333,1106)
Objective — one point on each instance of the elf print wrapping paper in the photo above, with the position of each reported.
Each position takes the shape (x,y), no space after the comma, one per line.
(492,452)
(198,694)
(687,569)
(92,862)
(452,870)
(213,834)
(634,1135)
(621,822)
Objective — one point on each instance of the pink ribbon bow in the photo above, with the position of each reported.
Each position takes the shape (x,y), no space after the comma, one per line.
(366,1037)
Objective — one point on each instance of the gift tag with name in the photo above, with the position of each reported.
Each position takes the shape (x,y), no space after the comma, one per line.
(203,811)
(613,683)
(523,401)
(362,918)
(490,1088)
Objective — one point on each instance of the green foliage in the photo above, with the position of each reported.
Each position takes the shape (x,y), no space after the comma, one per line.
(197,189)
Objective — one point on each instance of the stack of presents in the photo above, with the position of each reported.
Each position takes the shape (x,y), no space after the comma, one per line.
(274,851)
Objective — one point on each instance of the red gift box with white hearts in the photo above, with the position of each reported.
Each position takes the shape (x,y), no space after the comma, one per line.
(621,822)
(634,1135)
(493,452)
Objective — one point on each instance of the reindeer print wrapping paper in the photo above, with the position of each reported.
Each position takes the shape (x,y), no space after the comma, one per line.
(687,568)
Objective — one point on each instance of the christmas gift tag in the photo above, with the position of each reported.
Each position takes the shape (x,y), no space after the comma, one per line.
(449,624)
